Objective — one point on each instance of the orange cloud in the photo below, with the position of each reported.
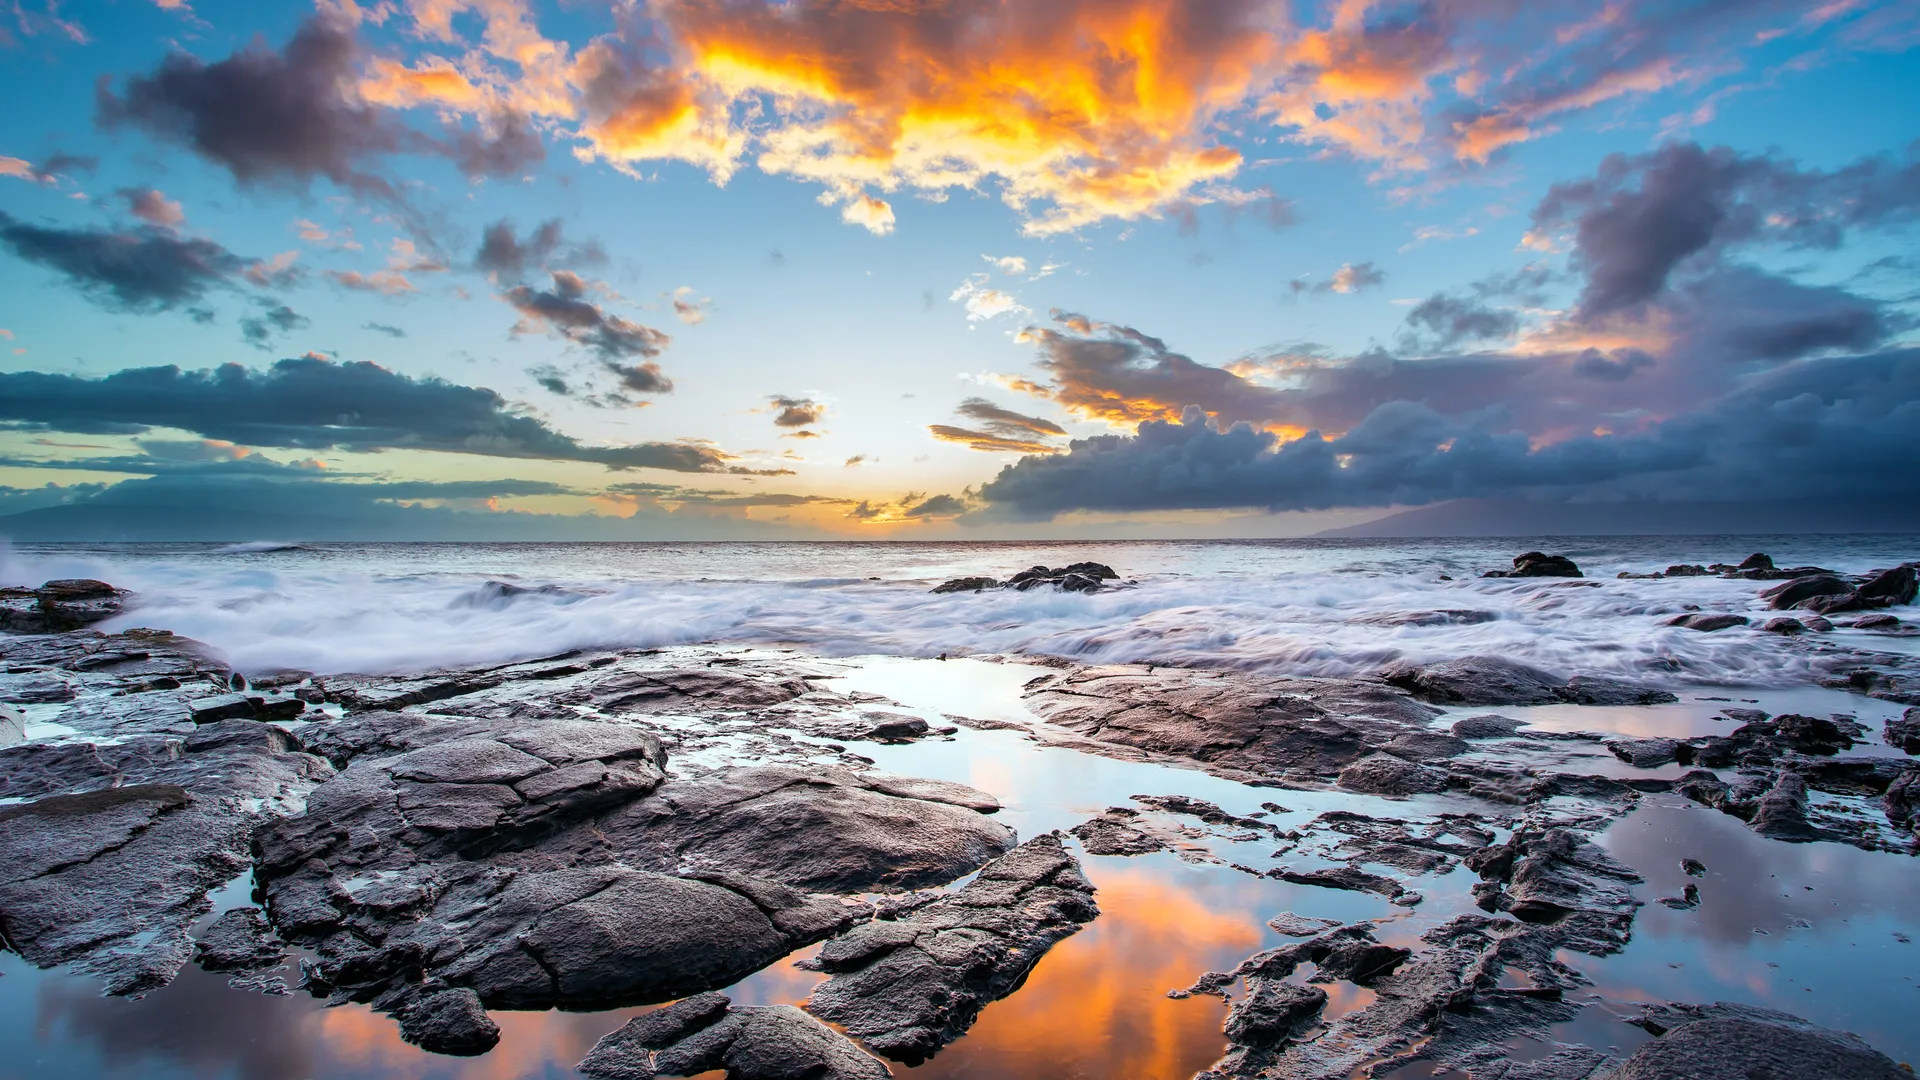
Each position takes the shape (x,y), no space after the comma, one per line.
(433,82)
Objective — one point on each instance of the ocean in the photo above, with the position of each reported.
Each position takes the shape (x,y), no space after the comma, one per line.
(1305,607)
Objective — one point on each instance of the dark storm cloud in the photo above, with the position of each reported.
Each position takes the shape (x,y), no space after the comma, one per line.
(258,330)
(512,259)
(796,412)
(146,269)
(315,404)
(1825,427)
(266,116)
(565,310)
(1642,218)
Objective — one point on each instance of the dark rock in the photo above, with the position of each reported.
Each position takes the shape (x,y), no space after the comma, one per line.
(1650,753)
(222,733)
(58,606)
(1905,732)
(1114,833)
(1782,812)
(1784,625)
(1693,867)
(1487,727)
(1600,690)
(894,727)
(1818,624)
(1756,561)
(1274,1012)
(1877,622)
(966,584)
(1477,680)
(1688,899)
(1759,1044)
(1426,746)
(702,1034)
(1347,878)
(239,940)
(1798,591)
(908,988)
(221,707)
(1687,570)
(1300,926)
(1707,623)
(1383,774)
(1896,586)
(446,1021)
(1835,604)
(1536,564)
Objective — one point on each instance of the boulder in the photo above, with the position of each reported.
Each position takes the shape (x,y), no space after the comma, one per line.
(1877,622)
(57,606)
(1905,732)
(966,584)
(1537,564)
(1896,586)
(1743,1047)
(704,1034)
(1784,625)
(450,1021)
(1650,753)
(1798,591)
(907,988)
(1487,727)
(1708,622)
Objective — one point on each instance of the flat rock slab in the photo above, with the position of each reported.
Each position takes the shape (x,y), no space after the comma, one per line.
(1493,680)
(907,988)
(704,1033)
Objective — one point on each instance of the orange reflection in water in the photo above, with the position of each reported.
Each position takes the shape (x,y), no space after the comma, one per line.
(1095,1006)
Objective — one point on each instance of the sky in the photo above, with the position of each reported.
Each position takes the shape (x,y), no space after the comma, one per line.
(687,269)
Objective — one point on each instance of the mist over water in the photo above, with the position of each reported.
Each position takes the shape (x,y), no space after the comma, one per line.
(1320,607)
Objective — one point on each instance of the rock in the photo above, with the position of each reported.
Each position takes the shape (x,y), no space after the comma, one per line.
(1782,811)
(239,940)
(1899,585)
(1799,591)
(1687,570)
(1756,561)
(1383,774)
(1273,1012)
(1600,690)
(894,727)
(446,1022)
(908,988)
(58,606)
(1536,564)
(1650,753)
(1707,622)
(1477,680)
(1347,878)
(1905,732)
(223,733)
(966,584)
(13,726)
(1426,746)
(1877,622)
(1784,625)
(1300,926)
(1693,867)
(220,707)
(1265,725)
(1113,833)
(1818,624)
(703,1034)
(1486,727)
(1738,1047)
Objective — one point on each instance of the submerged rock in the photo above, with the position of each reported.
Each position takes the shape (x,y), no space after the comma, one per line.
(1708,622)
(908,988)
(1493,680)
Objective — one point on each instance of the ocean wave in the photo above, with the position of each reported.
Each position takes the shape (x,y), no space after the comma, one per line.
(259,547)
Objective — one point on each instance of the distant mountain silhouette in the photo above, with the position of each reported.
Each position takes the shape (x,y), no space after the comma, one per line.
(1517,517)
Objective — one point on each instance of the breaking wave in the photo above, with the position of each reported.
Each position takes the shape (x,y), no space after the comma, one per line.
(1322,609)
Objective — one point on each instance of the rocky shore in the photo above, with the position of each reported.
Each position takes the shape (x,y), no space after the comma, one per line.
(615,828)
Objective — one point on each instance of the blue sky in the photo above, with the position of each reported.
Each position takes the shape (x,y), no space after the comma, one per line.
(1415,251)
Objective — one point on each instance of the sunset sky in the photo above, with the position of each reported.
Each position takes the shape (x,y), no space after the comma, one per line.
(951,268)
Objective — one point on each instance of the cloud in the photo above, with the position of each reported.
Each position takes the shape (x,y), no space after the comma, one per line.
(797,412)
(1350,278)
(1000,430)
(1104,371)
(383,328)
(937,506)
(265,116)
(154,208)
(314,404)
(856,460)
(564,310)
(144,270)
(641,378)
(49,171)
(990,442)
(984,303)
(1011,265)
(258,330)
(1830,427)
(689,310)
(1452,320)
(384,282)
(1643,218)
(1006,421)
(509,258)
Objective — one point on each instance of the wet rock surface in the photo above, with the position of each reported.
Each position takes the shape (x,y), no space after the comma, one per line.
(1726,1041)
(1538,564)
(1491,680)
(704,1033)
(908,987)
(1080,577)
(67,604)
